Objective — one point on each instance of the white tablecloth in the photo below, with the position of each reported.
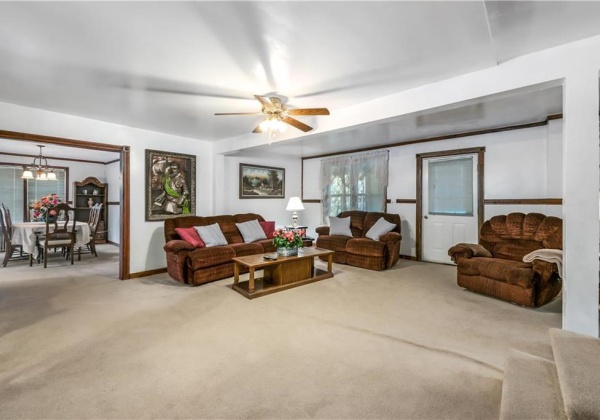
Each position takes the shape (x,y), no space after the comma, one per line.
(25,234)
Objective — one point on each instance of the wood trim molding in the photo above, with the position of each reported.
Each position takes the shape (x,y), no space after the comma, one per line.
(437,138)
(311,201)
(524,201)
(113,203)
(53,158)
(147,273)
(408,257)
(480,151)
(406,201)
(61,141)
(112,161)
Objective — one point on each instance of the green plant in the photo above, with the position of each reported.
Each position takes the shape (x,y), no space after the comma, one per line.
(283,238)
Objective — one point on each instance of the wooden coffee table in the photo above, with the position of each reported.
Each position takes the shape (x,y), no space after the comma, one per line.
(281,274)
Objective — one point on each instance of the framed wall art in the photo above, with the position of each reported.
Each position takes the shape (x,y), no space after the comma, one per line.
(261,181)
(170,185)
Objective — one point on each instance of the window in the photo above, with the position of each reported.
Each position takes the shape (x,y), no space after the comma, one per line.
(354,182)
(15,192)
(451,187)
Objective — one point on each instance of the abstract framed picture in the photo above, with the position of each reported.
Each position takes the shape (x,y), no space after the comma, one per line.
(261,181)
(170,185)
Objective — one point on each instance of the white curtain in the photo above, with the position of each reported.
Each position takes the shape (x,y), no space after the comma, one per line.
(354,182)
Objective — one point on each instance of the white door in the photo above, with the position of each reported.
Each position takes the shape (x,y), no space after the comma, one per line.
(449,205)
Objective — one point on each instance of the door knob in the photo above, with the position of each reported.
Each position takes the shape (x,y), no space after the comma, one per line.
(426,217)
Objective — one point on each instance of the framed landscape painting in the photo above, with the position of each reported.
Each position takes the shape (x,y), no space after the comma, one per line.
(261,181)
(170,185)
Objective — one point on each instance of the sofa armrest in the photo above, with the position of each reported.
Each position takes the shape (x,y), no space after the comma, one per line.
(322,230)
(468,251)
(545,270)
(178,245)
(392,243)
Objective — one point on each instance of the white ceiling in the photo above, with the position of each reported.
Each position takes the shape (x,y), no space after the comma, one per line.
(169,66)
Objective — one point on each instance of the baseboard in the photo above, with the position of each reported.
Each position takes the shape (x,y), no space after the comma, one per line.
(112,243)
(147,273)
(408,257)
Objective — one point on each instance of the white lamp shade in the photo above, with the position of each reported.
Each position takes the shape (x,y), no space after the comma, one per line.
(27,174)
(41,176)
(51,176)
(294,204)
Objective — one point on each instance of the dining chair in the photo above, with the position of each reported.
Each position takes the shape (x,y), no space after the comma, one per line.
(58,234)
(93,222)
(12,251)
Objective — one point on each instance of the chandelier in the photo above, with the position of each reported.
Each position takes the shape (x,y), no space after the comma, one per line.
(43,173)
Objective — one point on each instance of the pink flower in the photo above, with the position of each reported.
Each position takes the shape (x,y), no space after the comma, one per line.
(52,212)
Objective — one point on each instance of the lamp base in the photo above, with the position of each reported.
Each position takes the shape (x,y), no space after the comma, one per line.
(295,219)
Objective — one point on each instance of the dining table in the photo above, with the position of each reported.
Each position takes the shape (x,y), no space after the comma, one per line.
(25,234)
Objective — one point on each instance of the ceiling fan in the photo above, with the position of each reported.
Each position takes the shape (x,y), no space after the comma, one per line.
(277,115)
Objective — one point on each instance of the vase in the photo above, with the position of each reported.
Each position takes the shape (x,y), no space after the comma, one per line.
(90,203)
(287,252)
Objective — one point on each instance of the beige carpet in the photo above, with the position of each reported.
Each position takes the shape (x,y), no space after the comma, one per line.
(405,344)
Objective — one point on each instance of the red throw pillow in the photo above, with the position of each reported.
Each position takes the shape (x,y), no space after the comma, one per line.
(190,235)
(269,228)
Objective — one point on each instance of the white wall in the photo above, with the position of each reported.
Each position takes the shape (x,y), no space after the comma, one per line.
(516,166)
(227,192)
(147,238)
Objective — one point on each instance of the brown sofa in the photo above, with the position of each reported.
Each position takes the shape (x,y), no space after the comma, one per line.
(196,266)
(495,267)
(358,250)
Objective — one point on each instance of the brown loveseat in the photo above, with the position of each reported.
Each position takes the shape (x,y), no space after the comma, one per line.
(195,266)
(495,267)
(358,250)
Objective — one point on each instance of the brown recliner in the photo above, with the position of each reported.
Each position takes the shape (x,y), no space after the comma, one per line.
(495,267)
(359,250)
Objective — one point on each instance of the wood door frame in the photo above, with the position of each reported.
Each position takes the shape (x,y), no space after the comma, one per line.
(124,246)
(480,151)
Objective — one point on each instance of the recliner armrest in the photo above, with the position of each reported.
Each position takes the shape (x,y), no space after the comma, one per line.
(390,238)
(177,245)
(322,230)
(468,251)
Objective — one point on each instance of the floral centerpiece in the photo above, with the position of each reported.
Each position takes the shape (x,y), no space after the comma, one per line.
(45,207)
(287,242)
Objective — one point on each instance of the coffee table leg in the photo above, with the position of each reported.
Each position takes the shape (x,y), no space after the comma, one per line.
(236,272)
(251,282)
(329,263)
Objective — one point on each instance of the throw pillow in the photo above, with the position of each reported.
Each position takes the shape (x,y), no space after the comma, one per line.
(381,227)
(190,235)
(211,235)
(339,226)
(251,231)
(268,228)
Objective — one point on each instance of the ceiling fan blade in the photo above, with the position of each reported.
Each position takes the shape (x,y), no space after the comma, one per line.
(239,113)
(265,102)
(308,111)
(298,124)
(257,129)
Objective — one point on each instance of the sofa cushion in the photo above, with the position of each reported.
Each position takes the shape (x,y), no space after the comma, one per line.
(508,271)
(381,227)
(251,231)
(267,245)
(208,257)
(190,235)
(333,242)
(241,250)
(228,227)
(366,247)
(515,249)
(211,235)
(269,228)
(339,226)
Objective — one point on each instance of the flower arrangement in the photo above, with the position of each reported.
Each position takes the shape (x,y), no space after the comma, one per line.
(45,206)
(283,238)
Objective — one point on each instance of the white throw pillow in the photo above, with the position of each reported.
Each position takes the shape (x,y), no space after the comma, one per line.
(251,231)
(381,227)
(339,226)
(211,235)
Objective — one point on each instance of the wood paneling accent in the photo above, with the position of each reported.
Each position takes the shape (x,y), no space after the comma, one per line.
(113,203)
(406,201)
(480,151)
(125,257)
(525,201)
(147,273)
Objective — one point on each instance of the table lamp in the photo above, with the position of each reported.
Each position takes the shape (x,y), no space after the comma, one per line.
(295,205)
